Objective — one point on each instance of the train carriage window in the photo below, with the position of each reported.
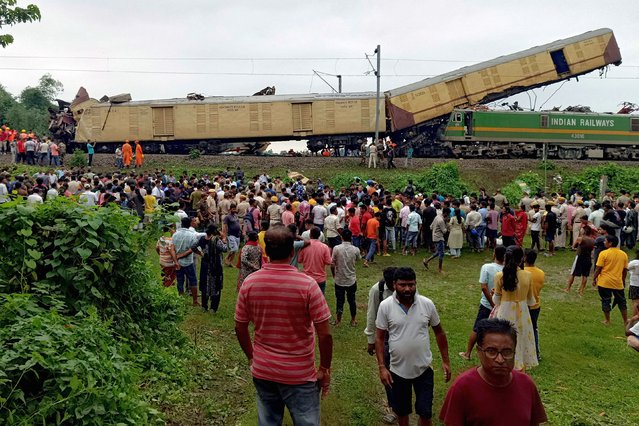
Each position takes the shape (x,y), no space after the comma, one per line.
(559,59)
(544,121)
(457,117)
(634,124)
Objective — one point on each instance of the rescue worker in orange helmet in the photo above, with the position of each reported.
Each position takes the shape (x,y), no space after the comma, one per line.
(127,154)
(139,155)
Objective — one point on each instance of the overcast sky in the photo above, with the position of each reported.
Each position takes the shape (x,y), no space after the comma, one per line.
(179,47)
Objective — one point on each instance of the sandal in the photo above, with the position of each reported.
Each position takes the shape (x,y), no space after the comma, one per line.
(464,356)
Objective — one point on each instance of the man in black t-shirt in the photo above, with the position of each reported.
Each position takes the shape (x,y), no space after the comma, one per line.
(549,225)
(389,217)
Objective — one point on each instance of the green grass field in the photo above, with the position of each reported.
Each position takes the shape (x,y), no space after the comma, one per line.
(587,374)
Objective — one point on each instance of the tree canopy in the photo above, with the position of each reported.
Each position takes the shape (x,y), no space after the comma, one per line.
(30,110)
(10,15)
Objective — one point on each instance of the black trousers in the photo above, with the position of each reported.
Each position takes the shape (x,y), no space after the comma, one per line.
(348,293)
(211,285)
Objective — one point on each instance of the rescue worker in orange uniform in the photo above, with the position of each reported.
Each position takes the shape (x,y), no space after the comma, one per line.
(127,154)
(139,155)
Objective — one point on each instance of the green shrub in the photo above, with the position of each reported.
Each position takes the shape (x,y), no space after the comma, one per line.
(195,154)
(82,319)
(57,369)
(441,177)
(78,159)
(618,178)
(527,181)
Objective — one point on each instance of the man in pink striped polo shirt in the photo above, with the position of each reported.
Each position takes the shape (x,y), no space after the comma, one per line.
(287,308)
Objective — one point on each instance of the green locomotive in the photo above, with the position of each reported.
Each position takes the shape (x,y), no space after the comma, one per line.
(522,134)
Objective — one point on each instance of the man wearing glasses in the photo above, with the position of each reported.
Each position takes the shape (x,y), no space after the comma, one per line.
(494,394)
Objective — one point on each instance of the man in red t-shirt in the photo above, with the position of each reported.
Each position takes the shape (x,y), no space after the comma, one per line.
(316,257)
(507,227)
(355,226)
(287,309)
(493,394)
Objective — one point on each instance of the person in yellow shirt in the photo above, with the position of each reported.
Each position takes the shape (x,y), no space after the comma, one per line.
(150,202)
(538,276)
(610,276)
(260,236)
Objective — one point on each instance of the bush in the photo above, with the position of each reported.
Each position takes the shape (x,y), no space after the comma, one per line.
(81,317)
(78,159)
(441,177)
(195,153)
(618,178)
(57,369)
(527,181)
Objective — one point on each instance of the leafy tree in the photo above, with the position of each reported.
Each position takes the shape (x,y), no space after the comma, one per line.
(50,87)
(6,102)
(10,14)
(31,109)
(41,96)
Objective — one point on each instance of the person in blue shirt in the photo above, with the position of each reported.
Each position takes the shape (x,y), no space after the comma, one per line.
(90,152)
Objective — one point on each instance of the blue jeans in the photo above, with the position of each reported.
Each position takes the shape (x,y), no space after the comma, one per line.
(302,401)
(356,241)
(481,233)
(189,273)
(390,236)
(372,248)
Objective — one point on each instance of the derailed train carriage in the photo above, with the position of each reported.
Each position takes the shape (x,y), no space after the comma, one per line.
(415,115)
(244,124)
(419,112)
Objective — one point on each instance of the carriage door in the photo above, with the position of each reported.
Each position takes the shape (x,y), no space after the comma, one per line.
(468,124)
(302,118)
(163,124)
(561,64)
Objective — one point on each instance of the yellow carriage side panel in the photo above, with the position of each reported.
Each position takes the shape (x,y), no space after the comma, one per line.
(588,54)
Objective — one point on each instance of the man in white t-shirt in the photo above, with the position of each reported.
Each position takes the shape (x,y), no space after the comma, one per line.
(87,197)
(486,304)
(36,197)
(632,331)
(319,213)
(4,193)
(407,317)
(633,288)
(306,235)
(535,227)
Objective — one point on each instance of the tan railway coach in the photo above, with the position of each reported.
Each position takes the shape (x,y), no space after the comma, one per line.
(177,125)
(413,115)
(501,77)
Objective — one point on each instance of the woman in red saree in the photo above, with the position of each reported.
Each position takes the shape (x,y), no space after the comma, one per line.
(521,225)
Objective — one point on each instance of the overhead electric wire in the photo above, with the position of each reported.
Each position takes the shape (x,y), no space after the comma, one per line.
(222,58)
(259,74)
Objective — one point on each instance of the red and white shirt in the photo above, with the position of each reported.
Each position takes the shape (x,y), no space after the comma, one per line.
(283,304)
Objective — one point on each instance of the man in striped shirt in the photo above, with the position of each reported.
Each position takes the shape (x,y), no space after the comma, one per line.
(287,308)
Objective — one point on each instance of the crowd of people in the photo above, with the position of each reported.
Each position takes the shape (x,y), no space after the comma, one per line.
(268,227)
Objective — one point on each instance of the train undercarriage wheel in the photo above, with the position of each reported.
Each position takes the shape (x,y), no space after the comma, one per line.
(570,153)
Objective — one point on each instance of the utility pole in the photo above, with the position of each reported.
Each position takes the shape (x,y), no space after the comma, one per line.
(378,52)
(339,80)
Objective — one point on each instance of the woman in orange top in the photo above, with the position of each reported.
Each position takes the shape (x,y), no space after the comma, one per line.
(139,156)
(127,154)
